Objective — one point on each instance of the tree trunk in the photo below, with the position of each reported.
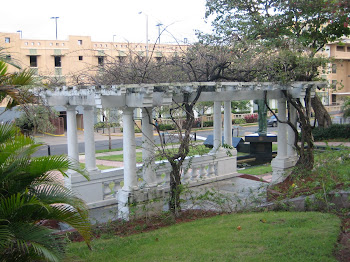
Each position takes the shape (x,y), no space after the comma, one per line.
(175,189)
(321,115)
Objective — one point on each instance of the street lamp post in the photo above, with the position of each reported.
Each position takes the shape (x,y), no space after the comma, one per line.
(159,25)
(20,32)
(146,33)
(55,17)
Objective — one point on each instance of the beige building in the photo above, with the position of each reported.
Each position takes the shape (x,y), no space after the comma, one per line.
(61,59)
(338,73)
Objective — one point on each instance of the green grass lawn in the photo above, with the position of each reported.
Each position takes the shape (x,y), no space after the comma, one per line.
(101,167)
(257,170)
(198,150)
(272,236)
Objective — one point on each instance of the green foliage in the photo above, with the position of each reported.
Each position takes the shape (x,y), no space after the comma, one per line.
(208,123)
(105,125)
(332,132)
(36,118)
(164,127)
(282,23)
(11,84)
(346,107)
(240,107)
(30,194)
(269,236)
(239,121)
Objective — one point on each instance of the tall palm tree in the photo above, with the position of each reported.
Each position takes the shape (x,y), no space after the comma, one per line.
(30,193)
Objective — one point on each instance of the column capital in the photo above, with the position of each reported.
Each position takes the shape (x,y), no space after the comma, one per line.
(128,110)
(70,107)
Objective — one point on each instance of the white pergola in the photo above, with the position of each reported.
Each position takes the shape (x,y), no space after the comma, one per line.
(148,96)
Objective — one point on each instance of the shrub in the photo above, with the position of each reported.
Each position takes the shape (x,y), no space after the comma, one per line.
(252,118)
(208,123)
(238,121)
(332,132)
(137,130)
(163,127)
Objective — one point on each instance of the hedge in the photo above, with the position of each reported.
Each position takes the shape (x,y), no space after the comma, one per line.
(332,132)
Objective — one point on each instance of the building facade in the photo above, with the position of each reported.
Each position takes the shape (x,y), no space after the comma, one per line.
(64,59)
(338,74)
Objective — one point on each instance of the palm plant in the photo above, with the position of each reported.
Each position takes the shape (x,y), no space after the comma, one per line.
(31,192)
(11,84)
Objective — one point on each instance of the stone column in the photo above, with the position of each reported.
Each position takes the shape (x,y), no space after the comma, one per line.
(282,130)
(148,170)
(125,195)
(227,123)
(217,126)
(89,139)
(291,153)
(281,162)
(72,141)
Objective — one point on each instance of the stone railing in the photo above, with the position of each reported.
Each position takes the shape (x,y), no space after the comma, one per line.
(102,188)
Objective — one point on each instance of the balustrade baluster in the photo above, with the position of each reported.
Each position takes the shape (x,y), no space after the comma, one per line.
(194,174)
(202,173)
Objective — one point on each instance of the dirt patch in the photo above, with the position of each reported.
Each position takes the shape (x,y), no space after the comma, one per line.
(343,250)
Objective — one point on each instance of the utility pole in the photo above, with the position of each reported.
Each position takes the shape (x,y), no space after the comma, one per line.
(159,25)
(55,17)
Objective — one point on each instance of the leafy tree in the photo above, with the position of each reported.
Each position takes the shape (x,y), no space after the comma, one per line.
(312,24)
(201,108)
(36,118)
(298,29)
(31,192)
(239,106)
(346,107)
(291,24)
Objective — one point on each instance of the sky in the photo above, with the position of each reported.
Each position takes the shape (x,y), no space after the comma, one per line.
(101,19)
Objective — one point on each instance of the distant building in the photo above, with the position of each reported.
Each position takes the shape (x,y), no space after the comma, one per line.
(338,74)
(61,59)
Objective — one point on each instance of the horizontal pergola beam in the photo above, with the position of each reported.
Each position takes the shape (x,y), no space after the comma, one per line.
(151,95)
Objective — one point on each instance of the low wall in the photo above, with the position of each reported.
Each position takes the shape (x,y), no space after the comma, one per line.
(100,193)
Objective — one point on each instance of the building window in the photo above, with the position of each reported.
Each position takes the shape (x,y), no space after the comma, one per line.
(340,48)
(26,43)
(348,49)
(121,59)
(334,68)
(100,60)
(33,61)
(80,58)
(7,40)
(57,61)
(80,42)
(38,43)
(62,44)
(57,44)
(32,43)
(51,44)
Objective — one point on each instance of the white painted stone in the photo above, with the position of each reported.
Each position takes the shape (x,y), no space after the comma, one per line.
(217,126)
(227,123)
(148,171)
(89,139)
